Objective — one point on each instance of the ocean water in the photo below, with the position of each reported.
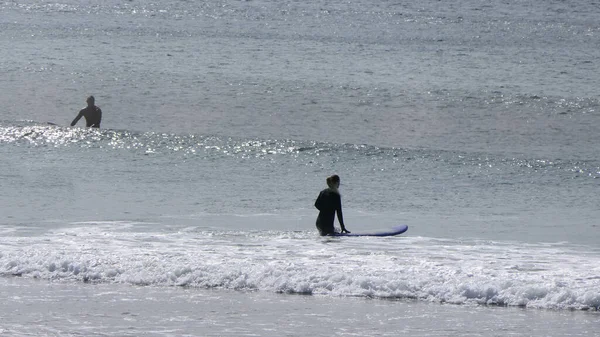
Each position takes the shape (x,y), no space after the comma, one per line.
(190,212)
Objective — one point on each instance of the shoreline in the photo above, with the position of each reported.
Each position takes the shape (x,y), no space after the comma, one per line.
(40,307)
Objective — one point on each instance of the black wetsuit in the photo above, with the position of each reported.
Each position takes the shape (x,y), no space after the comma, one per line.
(92,114)
(328,203)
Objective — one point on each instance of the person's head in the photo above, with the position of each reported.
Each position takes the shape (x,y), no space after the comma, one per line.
(90,100)
(333,181)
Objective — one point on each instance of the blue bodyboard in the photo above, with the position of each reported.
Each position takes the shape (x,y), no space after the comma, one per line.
(394,231)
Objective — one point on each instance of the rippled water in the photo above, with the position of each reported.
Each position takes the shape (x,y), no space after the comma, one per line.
(176,190)
(474,124)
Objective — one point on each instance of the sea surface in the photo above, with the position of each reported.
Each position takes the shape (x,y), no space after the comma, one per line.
(190,212)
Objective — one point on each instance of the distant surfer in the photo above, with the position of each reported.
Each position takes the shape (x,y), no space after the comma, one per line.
(329,203)
(92,114)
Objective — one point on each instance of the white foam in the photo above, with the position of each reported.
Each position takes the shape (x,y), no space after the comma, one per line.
(539,276)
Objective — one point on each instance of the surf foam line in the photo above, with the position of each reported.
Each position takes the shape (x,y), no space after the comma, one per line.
(202,146)
(504,274)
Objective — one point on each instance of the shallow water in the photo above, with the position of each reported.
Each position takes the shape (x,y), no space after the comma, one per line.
(42,308)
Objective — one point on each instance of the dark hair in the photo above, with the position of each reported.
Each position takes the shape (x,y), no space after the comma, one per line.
(334,179)
(91,98)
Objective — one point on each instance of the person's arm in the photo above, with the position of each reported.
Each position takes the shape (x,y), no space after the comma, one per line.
(99,116)
(341,216)
(318,202)
(77,118)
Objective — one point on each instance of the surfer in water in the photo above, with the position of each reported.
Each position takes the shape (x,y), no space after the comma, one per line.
(329,203)
(92,114)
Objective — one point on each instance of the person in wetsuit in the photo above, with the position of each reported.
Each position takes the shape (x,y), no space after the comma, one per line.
(329,203)
(92,114)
